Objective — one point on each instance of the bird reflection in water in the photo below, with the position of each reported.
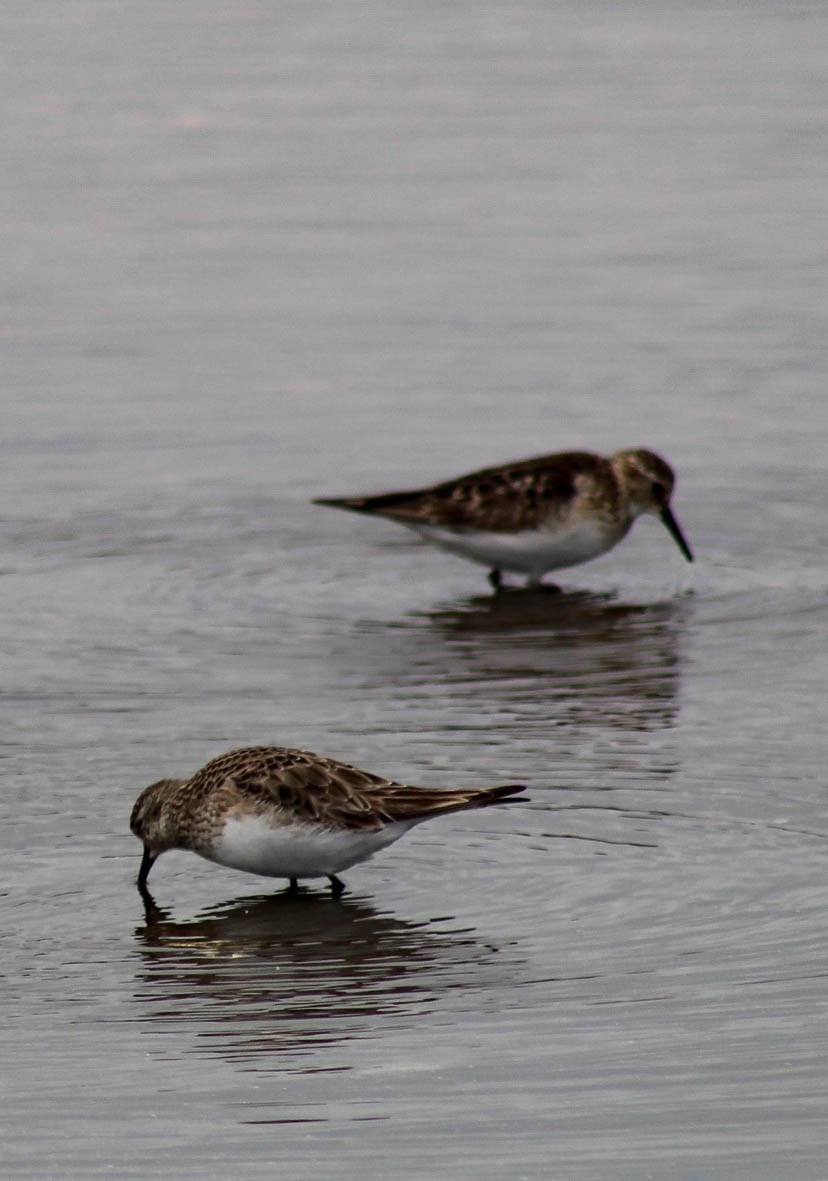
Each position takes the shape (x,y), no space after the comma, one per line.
(278,974)
(575,656)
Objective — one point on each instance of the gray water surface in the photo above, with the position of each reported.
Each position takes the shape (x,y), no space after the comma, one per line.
(255,254)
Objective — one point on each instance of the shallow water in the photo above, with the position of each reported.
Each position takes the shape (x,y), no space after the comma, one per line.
(256,255)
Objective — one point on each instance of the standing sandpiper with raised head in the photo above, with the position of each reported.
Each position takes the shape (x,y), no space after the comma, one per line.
(534,515)
(289,813)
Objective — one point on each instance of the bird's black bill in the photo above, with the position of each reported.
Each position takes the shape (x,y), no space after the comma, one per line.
(147,862)
(673,529)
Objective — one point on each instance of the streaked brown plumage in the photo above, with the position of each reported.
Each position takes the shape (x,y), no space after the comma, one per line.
(534,515)
(288,813)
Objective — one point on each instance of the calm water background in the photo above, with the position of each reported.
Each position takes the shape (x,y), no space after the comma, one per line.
(255,253)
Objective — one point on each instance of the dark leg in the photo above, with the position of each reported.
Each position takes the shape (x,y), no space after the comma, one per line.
(495,579)
(337,886)
(293,886)
(152,911)
(147,862)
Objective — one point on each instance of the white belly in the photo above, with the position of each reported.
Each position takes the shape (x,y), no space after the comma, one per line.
(532,552)
(296,850)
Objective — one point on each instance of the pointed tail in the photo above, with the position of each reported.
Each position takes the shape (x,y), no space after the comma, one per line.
(421,803)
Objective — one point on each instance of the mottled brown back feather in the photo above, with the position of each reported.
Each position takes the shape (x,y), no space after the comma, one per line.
(317,789)
(501,499)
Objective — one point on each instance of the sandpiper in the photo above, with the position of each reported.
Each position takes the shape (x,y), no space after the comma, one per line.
(288,813)
(534,515)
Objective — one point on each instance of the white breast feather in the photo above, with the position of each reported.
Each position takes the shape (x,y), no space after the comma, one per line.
(531,552)
(297,850)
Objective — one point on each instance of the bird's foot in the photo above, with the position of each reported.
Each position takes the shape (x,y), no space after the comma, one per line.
(496,580)
(337,886)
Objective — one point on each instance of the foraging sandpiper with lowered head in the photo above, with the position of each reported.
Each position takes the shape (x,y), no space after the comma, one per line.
(534,515)
(289,813)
